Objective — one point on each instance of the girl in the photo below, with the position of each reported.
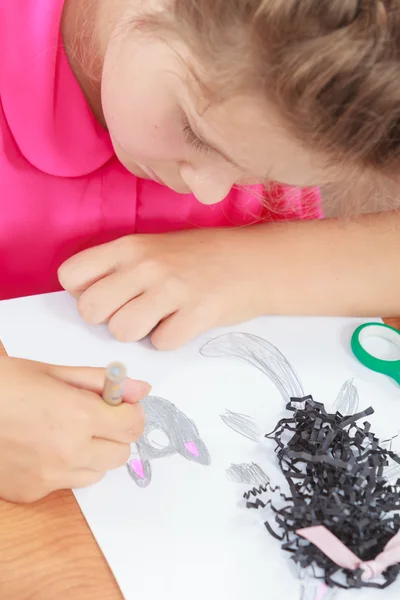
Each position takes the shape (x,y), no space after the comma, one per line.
(122,117)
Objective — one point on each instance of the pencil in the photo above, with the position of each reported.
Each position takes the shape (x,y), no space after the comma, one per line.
(113,391)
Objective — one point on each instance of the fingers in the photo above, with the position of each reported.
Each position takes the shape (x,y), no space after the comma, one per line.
(137,318)
(102,456)
(183,326)
(82,270)
(106,455)
(134,390)
(123,424)
(102,299)
(92,379)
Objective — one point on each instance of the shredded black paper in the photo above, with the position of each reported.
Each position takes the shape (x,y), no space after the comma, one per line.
(335,471)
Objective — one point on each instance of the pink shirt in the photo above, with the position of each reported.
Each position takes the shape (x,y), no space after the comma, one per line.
(61,187)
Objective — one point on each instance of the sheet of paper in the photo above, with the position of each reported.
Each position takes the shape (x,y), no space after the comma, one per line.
(175,527)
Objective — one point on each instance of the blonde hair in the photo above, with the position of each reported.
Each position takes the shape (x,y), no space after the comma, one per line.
(331,67)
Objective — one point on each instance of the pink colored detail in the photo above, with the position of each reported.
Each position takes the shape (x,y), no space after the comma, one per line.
(192,448)
(322,591)
(334,549)
(137,467)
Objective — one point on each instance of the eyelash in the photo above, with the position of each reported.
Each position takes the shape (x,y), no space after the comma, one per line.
(192,139)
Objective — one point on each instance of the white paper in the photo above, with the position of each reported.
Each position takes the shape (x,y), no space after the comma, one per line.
(187,535)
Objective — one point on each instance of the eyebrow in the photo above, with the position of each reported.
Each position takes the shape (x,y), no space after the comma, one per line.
(206,142)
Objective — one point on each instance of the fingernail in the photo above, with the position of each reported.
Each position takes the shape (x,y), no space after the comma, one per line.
(146,388)
(135,389)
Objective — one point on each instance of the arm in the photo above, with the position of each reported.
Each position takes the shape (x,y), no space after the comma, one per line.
(328,267)
(199,279)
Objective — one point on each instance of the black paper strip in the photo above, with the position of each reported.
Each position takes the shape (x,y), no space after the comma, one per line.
(334,468)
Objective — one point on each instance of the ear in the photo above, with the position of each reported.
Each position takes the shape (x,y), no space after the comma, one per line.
(140,471)
(194,450)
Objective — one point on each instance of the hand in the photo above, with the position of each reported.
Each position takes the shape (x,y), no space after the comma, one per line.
(177,284)
(55,430)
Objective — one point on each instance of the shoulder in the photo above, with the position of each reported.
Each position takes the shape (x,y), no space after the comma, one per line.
(45,109)
(25,26)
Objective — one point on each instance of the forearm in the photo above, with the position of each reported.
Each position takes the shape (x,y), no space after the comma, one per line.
(328,267)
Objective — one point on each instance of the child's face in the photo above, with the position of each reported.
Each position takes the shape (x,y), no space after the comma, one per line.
(155,120)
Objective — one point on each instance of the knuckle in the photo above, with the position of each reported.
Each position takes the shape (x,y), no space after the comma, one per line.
(68,449)
(154,268)
(125,244)
(176,287)
(206,311)
(81,420)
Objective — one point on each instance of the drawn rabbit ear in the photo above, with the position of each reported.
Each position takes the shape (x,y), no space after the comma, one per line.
(262,355)
(347,401)
(194,450)
(139,469)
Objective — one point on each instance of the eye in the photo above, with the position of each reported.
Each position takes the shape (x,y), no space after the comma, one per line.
(158,439)
(192,139)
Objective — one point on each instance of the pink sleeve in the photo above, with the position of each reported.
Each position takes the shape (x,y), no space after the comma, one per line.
(285,203)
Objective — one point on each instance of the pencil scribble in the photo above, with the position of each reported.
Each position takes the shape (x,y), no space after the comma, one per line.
(312,588)
(251,474)
(270,361)
(392,472)
(262,355)
(347,401)
(242,424)
(167,431)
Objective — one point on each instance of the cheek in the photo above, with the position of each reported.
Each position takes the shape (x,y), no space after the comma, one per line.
(144,129)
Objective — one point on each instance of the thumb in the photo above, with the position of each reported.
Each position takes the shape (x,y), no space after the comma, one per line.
(92,380)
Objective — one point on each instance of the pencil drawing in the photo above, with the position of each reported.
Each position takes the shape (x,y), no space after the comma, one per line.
(347,401)
(312,588)
(270,361)
(167,431)
(250,473)
(392,472)
(242,424)
(308,585)
(262,355)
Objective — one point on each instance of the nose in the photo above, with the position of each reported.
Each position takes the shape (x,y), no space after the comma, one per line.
(209,184)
